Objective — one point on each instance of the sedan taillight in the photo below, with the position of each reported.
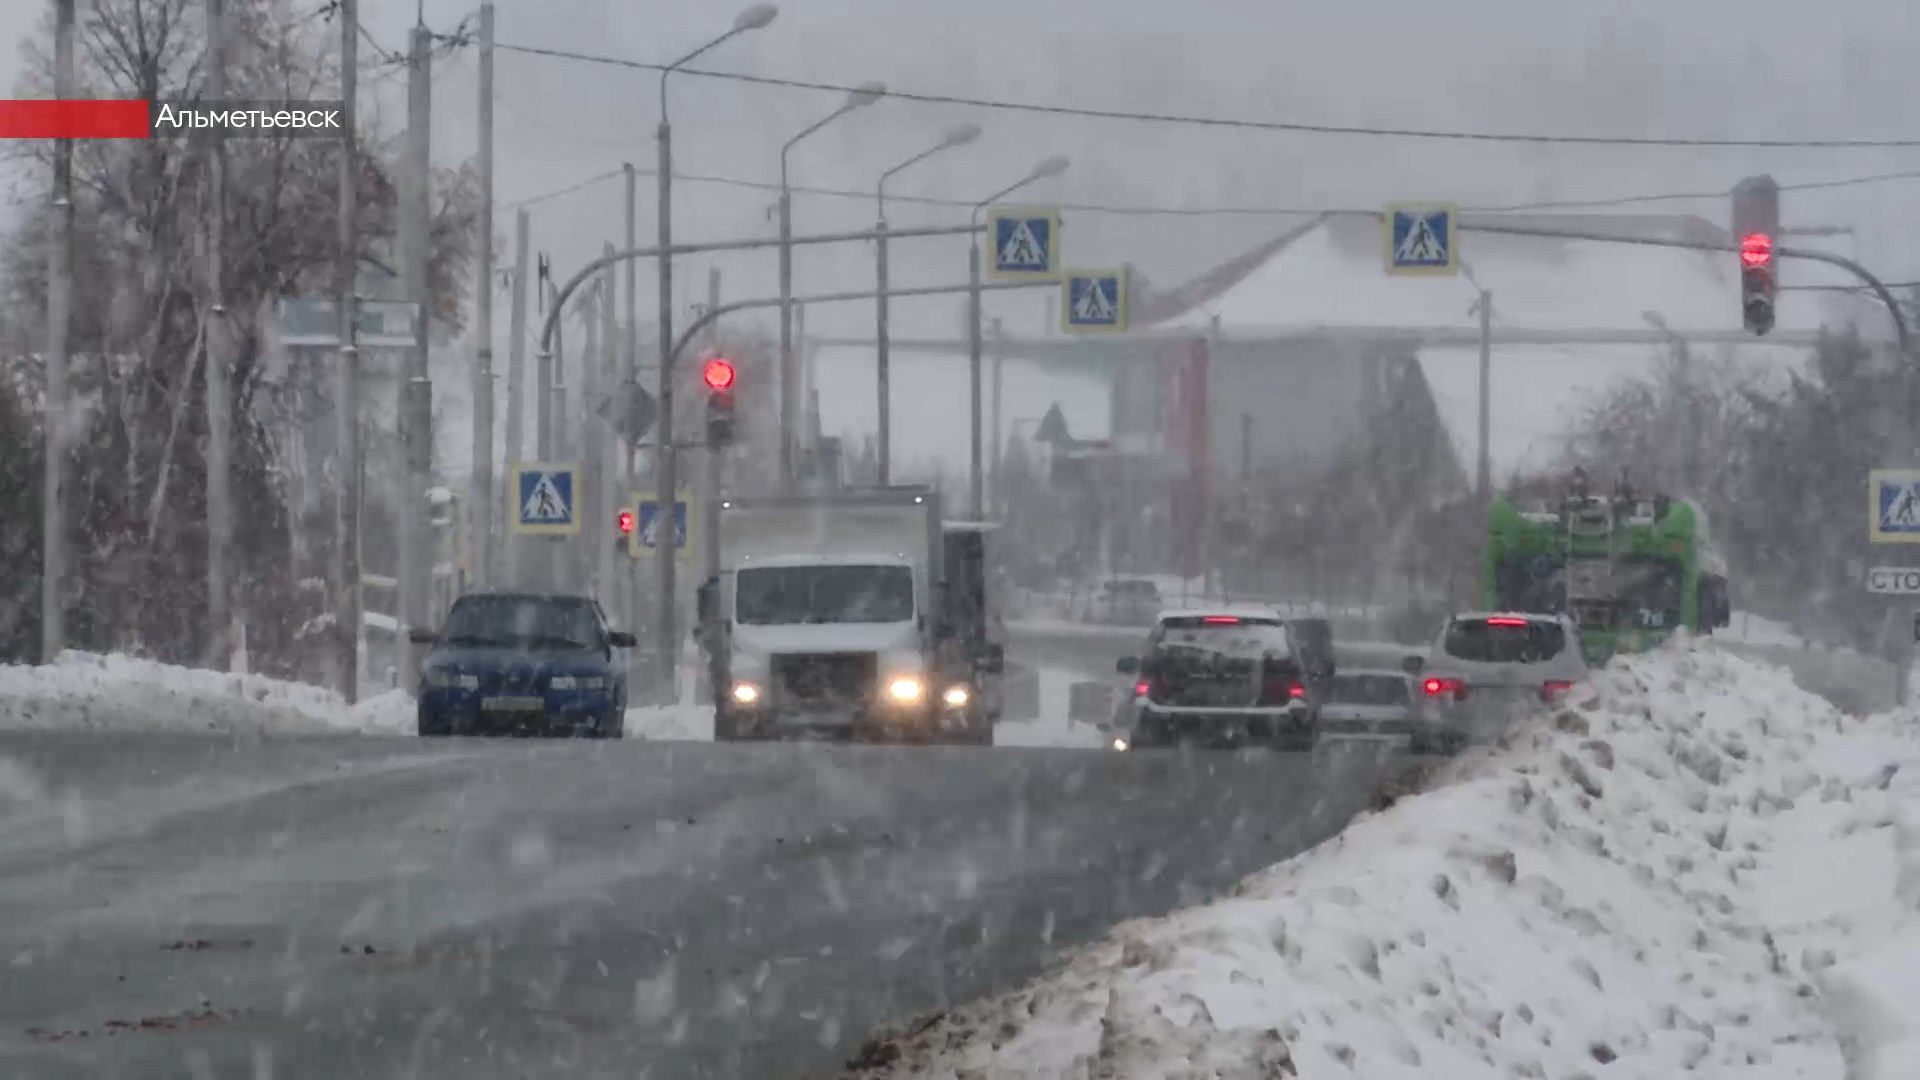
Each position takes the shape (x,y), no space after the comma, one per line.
(1554,689)
(1444,686)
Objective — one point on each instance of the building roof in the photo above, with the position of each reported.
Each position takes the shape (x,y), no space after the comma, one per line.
(1331,274)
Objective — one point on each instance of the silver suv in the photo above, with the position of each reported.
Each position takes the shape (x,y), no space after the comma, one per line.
(1486,669)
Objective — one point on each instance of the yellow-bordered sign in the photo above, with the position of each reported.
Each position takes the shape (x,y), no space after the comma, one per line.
(1421,239)
(1094,301)
(1023,243)
(543,499)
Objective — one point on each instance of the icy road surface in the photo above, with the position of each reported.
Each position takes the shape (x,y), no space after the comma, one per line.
(206,906)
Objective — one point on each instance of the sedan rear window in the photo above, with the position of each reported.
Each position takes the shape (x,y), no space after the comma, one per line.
(1368,690)
(1504,641)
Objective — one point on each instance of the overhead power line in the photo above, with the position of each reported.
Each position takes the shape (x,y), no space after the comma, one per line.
(1210,211)
(1230,122)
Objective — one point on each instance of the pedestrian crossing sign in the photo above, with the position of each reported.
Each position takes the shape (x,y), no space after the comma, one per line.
(1894,509)
(543,499)
(1422,238)
(1026,243)
(1094,301)
(646,536)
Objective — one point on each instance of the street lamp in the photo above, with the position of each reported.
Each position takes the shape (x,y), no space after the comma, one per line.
(861,96)
(753,18)
(961,135)
(1052,166)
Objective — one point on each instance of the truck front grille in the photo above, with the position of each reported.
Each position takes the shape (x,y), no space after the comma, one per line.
(823,679)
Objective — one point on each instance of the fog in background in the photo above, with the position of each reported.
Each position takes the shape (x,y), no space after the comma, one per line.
(1711,68)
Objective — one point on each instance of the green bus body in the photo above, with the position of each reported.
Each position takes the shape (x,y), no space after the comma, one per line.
(1661,571)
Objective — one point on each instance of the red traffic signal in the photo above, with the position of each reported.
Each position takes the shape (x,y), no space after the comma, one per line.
(624,522)
(1756,249)
(718,374)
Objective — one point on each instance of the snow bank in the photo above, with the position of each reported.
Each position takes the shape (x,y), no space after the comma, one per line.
(1693,869)
(89,692)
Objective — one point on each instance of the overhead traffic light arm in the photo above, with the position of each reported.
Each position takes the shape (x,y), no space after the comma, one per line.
(1879,289)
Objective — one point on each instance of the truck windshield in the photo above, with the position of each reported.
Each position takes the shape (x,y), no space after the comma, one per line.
(554,622)
(779,595)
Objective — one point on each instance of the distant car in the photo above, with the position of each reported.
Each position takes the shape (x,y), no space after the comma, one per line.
(1486,669)
(1222,677)
(1369,702)
(1127,602)
(523,663)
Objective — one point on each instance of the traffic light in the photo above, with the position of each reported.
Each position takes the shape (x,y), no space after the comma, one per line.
(718,375)
(624,522)
(1756,222)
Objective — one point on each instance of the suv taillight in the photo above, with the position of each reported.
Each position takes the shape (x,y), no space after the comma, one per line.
(1143,688)
(1444,686)
(1554,689)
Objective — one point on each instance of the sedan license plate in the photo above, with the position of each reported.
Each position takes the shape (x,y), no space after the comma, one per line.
(512,704)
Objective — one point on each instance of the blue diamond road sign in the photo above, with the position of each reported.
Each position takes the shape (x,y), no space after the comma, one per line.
(543,499)
(1894,506)
(1026,244)
(1422,239)
(1094,301)
(649,525)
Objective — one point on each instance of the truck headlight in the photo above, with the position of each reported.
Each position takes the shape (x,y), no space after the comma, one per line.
(745,693)
(906,690)
(577,682)
(956,697)
(442,679)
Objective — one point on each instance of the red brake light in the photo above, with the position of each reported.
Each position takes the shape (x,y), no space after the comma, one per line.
(1220,620)
(1433,687)
(1553,688)
(1502,620)
(1445,686)
(1142,688)
(1296,690)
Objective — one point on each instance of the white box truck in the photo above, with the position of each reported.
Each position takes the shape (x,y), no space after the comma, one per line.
(839,615)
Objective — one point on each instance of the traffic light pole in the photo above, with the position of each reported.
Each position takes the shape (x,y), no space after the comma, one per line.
(668,636)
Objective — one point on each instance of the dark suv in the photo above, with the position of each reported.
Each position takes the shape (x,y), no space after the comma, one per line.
(522,663)
(1222,678)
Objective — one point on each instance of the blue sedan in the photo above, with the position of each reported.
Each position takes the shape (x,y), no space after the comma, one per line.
(523,663)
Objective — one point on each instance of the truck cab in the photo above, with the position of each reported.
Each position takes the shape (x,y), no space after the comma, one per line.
(832,616)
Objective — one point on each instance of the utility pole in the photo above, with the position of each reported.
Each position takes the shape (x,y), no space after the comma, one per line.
(666,639)
(976,509)
(53,420)
(416,405)
(883,378)
(347,596)
(543,369)
(1483,462)
(710,497)
(481,511)
(630,386)
(517,342)
(604,457)
(999,364)
(219,359)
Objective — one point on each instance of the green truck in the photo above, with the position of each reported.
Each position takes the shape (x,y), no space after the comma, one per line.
(1628,569)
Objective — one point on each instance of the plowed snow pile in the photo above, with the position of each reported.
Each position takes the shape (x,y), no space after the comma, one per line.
(1693,869)
(88,692)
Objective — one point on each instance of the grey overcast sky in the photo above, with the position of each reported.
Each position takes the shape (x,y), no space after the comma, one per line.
(1759,68)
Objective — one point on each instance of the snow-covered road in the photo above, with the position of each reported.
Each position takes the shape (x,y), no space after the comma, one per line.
(212,905)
